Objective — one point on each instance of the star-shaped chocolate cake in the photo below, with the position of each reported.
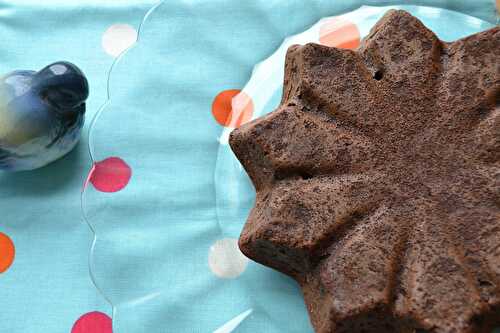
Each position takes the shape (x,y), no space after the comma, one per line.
(378,181)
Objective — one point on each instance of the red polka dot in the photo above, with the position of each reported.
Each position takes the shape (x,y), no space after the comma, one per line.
(232,108)
(93,322)
(339,33)
(7,252)
(110,175)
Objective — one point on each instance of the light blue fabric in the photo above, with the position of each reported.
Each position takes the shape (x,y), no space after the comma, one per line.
(153,238)
(48,286)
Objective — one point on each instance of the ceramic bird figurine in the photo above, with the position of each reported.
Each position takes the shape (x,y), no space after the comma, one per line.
(41,115)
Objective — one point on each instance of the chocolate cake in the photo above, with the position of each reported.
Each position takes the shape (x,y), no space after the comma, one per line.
(378,181)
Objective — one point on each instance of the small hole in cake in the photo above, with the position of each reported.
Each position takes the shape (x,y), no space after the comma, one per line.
(378,75)
(478,321)
(484,283)
(323,256)
(305,175)
(279,175)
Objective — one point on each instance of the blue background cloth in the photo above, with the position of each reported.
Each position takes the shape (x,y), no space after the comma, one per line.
(48,286)
(153,238)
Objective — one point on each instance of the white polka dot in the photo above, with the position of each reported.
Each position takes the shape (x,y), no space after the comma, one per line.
(226,260)
(118,38)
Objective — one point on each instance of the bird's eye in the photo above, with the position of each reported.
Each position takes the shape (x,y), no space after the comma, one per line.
(59,98)
(65,95)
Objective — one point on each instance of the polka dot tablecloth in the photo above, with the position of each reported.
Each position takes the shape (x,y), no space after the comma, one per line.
(163,197)
(44,244)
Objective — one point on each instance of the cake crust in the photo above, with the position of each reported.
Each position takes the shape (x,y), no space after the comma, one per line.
(378,181)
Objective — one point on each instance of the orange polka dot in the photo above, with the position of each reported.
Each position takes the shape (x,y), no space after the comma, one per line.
(232,108)
(339,33)
(7,252)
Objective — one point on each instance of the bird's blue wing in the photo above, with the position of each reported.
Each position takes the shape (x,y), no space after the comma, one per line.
(7,159)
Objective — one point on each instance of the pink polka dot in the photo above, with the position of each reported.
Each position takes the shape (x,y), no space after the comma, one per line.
(110,175)
(93,322)
(339,33)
